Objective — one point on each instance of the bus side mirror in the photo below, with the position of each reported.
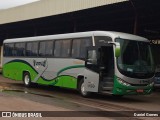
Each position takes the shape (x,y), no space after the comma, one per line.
(117,48)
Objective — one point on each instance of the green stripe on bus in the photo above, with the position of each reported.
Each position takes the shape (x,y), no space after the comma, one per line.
(69,67)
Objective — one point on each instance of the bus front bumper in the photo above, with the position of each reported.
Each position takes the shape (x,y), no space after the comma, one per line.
(120,89)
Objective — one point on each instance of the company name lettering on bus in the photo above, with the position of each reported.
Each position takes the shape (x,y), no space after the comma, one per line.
(42,63)
(155,41)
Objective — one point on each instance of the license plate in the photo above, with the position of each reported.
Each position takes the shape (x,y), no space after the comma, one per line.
(140,90)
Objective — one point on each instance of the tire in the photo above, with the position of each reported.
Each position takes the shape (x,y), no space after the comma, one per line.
(81,89)
(27,79)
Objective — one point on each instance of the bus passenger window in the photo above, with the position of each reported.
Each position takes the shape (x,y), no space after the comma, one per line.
(28,49)
(32,49)
(49,48)
(20,49)
(79,47)
(66,45)
(57,49)
(8,49)
(76,48)
(42,49)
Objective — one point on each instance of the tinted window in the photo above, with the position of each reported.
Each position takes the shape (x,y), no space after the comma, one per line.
(46,48)
(32,49)
(102,40)
(9,49)
(20,49)
(79,47)
(76,46)
(62,48)
(49,48)
(66,45)
(57,49)
(29,49)
(86,42)
(42,49)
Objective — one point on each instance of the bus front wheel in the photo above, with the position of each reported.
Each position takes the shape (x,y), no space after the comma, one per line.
(27,79)
(82,89)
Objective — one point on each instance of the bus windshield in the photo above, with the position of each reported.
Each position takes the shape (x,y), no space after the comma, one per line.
(136,59)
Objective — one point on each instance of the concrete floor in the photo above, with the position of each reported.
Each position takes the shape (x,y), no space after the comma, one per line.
(15,97)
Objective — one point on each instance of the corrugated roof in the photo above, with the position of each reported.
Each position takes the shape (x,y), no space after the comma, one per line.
(45,8)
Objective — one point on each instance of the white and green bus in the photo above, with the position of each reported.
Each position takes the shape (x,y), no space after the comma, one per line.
(97,61)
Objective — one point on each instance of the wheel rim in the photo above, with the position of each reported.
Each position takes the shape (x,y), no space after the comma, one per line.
(26,79)
(83,89)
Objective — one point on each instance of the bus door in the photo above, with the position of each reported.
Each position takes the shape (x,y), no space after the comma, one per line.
(91,73)
(99,74)
(106,67)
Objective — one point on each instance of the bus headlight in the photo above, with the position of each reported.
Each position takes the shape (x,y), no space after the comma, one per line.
(123,82)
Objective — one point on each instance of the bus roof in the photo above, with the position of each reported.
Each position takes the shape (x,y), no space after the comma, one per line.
(79,35)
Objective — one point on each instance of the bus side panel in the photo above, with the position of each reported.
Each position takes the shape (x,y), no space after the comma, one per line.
(69,82)
(63,72)
(14,70)
(57,73)
(10,70)
(61,81)
(91,81)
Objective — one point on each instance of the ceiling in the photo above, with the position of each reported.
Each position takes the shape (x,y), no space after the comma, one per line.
(136,16)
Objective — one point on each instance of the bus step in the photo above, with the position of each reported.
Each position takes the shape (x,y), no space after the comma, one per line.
(107,88)
(106,92)
(108,79)
(108,84)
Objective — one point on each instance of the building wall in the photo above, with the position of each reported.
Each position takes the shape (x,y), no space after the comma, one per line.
(45,8)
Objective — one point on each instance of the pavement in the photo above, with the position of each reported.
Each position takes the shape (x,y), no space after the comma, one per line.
(12,100)
(15,97)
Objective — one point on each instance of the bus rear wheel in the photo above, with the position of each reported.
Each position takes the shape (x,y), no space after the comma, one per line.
(82,89)
(27,79)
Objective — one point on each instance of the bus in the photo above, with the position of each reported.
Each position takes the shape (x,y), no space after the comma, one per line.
(91,62)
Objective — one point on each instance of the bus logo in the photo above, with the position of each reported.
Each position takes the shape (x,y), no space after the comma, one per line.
(42,63)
